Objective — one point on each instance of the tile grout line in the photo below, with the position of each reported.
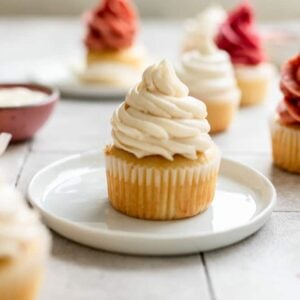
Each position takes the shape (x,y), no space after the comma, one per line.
(28,152)
(208,278)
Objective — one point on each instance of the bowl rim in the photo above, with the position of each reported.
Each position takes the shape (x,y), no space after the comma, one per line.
(52,93)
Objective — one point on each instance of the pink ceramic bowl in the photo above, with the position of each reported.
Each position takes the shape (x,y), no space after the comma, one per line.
(24,121)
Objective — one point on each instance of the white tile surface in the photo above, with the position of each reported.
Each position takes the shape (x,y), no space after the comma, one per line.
(287,185)
(12,161)
(265,266)
(83,273)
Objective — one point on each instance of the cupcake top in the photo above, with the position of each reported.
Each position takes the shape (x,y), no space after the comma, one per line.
(289,108)
(19,225)
(206,23)
(240,38)
(112,25)
(208,73)
(159,118)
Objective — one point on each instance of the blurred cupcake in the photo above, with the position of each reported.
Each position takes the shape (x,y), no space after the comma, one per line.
(239,37)
(162,164)
(205,24)
(285,125)
(209,75)
(24,247)
(112,56)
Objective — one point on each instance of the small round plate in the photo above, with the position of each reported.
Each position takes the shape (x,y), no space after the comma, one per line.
(59,74)
(71,196)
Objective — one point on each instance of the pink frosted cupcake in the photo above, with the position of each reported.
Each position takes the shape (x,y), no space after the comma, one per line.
(285,125)
(240,38)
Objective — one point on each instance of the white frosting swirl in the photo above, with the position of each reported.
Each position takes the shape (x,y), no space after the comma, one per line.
(18,224)
(159,118)
(208,73)
(205,24)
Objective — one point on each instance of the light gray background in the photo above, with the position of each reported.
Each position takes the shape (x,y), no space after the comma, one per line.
(266,9)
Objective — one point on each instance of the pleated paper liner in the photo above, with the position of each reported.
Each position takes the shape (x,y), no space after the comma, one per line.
(253,91)
(286,146)
(220,114)
(21,275)
(157,189)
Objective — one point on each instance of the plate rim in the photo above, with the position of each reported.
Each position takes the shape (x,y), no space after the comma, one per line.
(264,213)
(73,86)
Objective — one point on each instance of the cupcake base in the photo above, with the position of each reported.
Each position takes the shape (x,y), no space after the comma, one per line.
(112,68)
(254,82)
(220,115)
(21,276)
(286,146)
(154,188)
(134,56)
(108,74)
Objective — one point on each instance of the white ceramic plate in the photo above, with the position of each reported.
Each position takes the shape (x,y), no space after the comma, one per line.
(59,74)
(71,196)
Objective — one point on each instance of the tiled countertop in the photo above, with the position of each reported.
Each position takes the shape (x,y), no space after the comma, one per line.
(264,266)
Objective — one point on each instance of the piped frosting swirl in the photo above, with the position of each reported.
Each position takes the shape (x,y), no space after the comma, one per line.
(289,108)
(112,25)
(208,73)
(206,23)
(159,118)
(240,38)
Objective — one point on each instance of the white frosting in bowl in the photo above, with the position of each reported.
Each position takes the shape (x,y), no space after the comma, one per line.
(20,96)
(159,118)
(209,74)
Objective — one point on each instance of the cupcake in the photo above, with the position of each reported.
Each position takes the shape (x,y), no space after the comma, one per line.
(205,24)
(285,125)
(162,164)
(24,247)
(209,75)
(112,56)
(239,37)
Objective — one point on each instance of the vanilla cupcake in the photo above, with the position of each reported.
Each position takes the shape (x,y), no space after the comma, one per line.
(285,124)
(240,38)
(112,56)
(24,247)
(205,24)
(162,164)
(209,75)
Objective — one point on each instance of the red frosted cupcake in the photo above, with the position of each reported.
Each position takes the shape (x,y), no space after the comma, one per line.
(240,38)
(285,126)
(112,56)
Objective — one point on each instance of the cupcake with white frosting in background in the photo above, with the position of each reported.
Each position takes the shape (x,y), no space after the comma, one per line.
(24,247)
(209,75)
(204,24)
(162,163)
